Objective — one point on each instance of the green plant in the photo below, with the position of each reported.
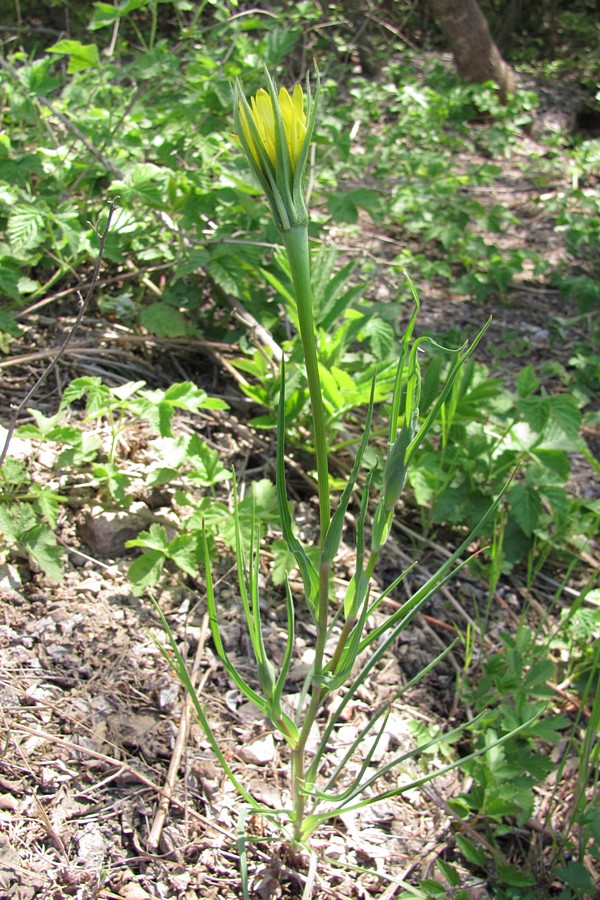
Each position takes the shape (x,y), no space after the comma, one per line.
(516,685)
(353,338)
(29,511)
(483,434)
(28,516)
(275,134)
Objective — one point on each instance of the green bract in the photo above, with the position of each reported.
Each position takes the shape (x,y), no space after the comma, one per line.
(275,133)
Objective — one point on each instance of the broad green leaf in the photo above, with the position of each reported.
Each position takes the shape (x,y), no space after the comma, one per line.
(382,336)
(163,320)
(41,545)
(13,471)
(344,205)
(527,383)
(550,729)
(144,572)
(49,503)
(16,519)
(155,538)
(106,14)
(10,274)
(576,876)
(81,56)
(284,562)
(449,872)
(25,228)
(183,550)
(525,506)
(115,480)
(565,414)
(471,852)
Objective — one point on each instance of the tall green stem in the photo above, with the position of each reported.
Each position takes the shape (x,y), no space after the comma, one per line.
(296,245)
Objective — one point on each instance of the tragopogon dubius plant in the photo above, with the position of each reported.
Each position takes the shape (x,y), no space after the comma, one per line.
(274,131)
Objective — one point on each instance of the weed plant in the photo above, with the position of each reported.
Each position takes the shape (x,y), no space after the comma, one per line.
(275,134)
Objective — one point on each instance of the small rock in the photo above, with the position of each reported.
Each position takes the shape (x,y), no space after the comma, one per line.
(106,531)
(91,844)
(10,580)
(259,752)
(7,801)
(134,891)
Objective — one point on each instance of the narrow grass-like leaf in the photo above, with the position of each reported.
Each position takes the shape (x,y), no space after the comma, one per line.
(336,526)
(313,821)
(277,715)
(233,673)
(241,841)
(335,718)
(452,375)
(177,663)
(307,569)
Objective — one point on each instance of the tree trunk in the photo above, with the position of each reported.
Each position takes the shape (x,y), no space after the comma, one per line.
(476,56)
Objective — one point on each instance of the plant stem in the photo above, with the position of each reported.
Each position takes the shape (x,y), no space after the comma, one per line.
(296,245)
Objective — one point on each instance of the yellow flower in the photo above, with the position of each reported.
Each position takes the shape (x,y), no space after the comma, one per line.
(274,132)
(293,118)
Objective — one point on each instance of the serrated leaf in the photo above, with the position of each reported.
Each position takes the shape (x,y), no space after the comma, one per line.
(155,538)
(81,56)
(576,876)
(25,228)
(549,729)
(106,14)
(147,182)
(163,320)
(527,383)
(42,547)
(229,274)
(15,520)
(49,503)
(144,572)
(344,205)
(511,875)
(283,564)
(565,414)
(10,274)
(13,470)
(525,506)
(472,853)
(556,461)
(423,486)
(183,550)
(8,324)
(382,338)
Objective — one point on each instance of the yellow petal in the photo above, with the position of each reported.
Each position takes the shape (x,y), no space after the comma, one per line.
(298,101)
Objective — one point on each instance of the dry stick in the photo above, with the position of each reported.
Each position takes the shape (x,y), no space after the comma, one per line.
(146,340)
(167,791)
(104,282)
(84,303)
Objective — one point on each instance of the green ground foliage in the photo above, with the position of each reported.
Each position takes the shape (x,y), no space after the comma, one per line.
(121,114)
